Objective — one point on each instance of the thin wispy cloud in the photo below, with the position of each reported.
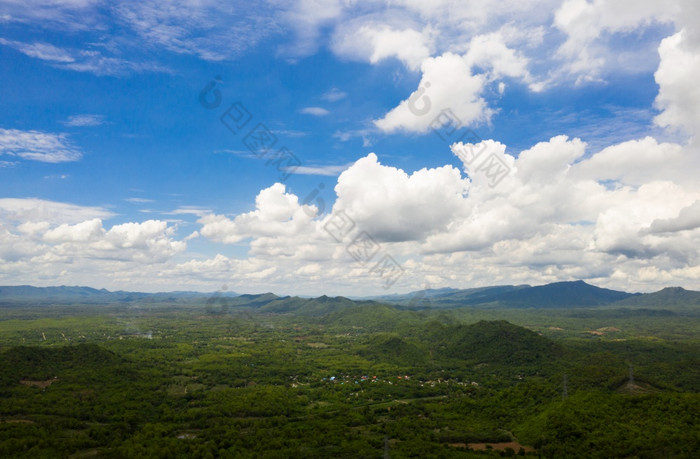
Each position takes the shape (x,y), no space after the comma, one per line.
(41,210)
(189,210)
(84,120)
(85,60)
(328,171)
(242,153)
(139,200)
(38,146)
(43,51)
(290,133)
(96,63)
(214,31)
(334,95)
(365,133)
(73,16)
(315,111)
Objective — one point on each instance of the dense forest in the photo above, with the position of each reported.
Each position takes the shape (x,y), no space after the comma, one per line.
(332,377)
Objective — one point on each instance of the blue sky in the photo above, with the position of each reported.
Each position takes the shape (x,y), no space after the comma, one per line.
(115,175)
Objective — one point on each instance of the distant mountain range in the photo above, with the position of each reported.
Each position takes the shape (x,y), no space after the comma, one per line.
(555,295)
(88,295)
(576,294)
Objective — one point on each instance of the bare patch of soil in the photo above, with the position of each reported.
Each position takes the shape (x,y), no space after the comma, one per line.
(608,329)
(637,388)
(40,384)
(514,445)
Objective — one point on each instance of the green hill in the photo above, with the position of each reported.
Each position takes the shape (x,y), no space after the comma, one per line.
(494,341)
(668,297)
(312,307)
(392,348)
(371,317)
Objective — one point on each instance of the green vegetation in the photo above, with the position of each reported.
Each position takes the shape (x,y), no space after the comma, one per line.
(264,376)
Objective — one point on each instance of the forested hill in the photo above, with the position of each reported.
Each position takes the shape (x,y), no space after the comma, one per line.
(493,341)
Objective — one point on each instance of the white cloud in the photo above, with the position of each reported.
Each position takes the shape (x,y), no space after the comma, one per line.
(408,30)
(147,242)
(90,60)
(371,42)
(679,94)
(407,45)
(90,230)
(447,83)
(16,248)
(38,146)
(49,242)
(625,216)
(591,28)
(38,210)
(94,62)
(43,51)
(306,18)
(328,171)
(290,133)
(277,213)
(394,206)
(637,162)
(213,31)
(365,133)
(550,219)
(190,210)
(554,217)
(457,83)
(334,95)
(315,111)
(490,52)
(152,237)
(688,219)
(619,227)
(84,120)
(594,30)
(139,200)
(70,14)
